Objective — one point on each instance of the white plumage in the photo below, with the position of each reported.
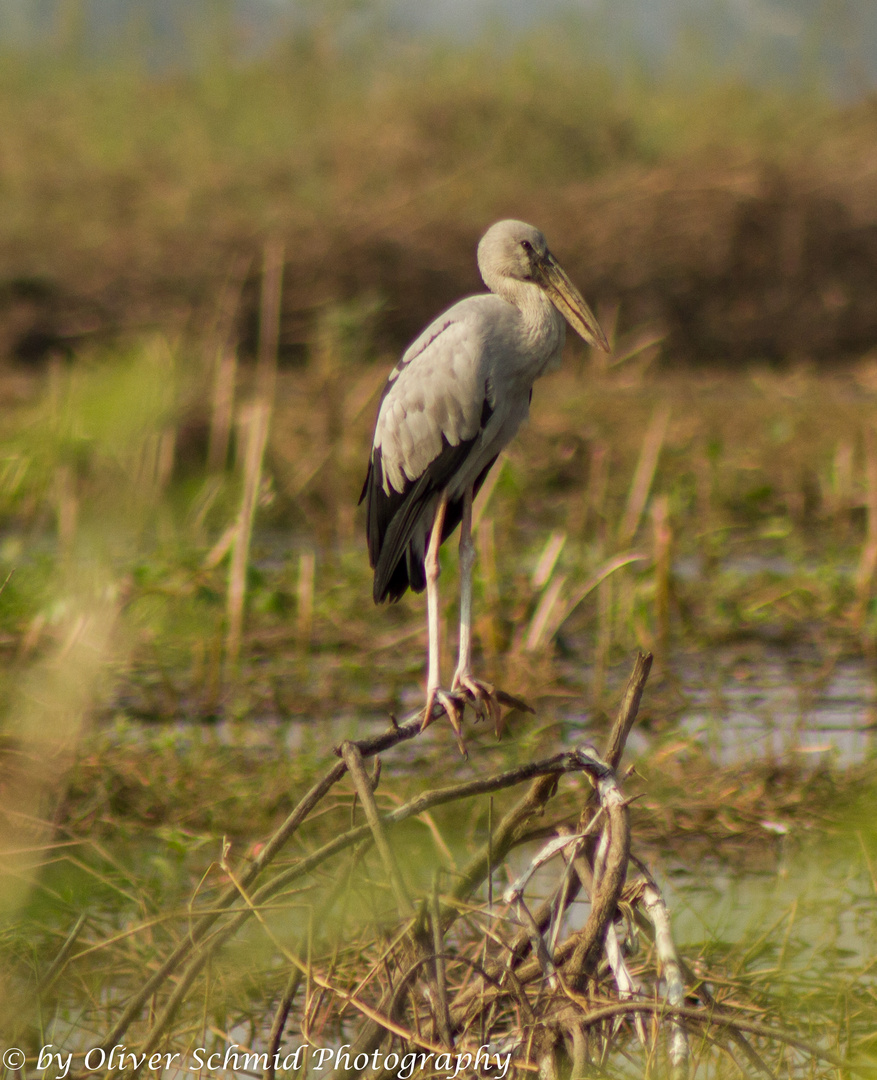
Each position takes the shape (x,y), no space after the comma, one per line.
(452,403)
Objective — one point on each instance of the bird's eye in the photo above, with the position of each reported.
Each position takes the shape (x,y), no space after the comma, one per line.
(526,245)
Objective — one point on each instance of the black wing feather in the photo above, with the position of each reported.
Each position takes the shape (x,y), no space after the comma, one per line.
(391,520)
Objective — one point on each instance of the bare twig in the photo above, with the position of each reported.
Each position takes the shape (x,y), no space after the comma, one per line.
(199,929)
(541,918)
(628,710)
(197,949)
(653,902)
(353,760)
(721,1019)
(698,986)
(444,1016)
(608,883)
(460,969)
(279,1023)
(60,959)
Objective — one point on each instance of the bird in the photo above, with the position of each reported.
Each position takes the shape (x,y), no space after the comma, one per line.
(451,404)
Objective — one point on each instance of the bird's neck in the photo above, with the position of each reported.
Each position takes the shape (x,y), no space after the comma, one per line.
(544,325)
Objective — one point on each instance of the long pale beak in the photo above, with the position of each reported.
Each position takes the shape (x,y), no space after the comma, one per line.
(570,303)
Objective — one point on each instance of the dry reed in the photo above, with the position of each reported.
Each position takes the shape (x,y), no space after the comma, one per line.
(450,970)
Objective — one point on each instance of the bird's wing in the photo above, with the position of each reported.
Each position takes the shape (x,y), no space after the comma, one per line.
(436,395)
(436,404)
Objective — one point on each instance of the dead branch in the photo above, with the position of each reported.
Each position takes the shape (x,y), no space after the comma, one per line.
(353,760)
(628,710)
(459,972)
(653,902)
(612,856)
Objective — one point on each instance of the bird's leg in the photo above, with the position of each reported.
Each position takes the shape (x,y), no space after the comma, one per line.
(433,569)
(467,562)
(434,693)
(482,694)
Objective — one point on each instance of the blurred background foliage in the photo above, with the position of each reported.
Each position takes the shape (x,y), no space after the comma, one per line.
(143,150)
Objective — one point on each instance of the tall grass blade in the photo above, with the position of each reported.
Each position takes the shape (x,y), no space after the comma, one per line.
(868,558)
(643,475)
(545,624)
(223,343)
(548,559)
(255,421)
(307,569)
(663,541)
(269,319)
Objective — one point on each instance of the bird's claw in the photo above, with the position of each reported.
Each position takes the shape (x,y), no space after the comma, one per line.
(482,697)
(439,701)
(487,700)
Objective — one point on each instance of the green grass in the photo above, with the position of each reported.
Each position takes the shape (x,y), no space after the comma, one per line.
(764,479)
(115,618)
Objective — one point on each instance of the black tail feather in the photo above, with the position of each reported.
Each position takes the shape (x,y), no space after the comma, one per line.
(392,519)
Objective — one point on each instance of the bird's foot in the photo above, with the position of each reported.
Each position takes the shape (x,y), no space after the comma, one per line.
(439,701)
(487,700)
(482,697)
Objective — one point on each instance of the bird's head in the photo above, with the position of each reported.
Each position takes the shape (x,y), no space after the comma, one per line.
(517,251)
